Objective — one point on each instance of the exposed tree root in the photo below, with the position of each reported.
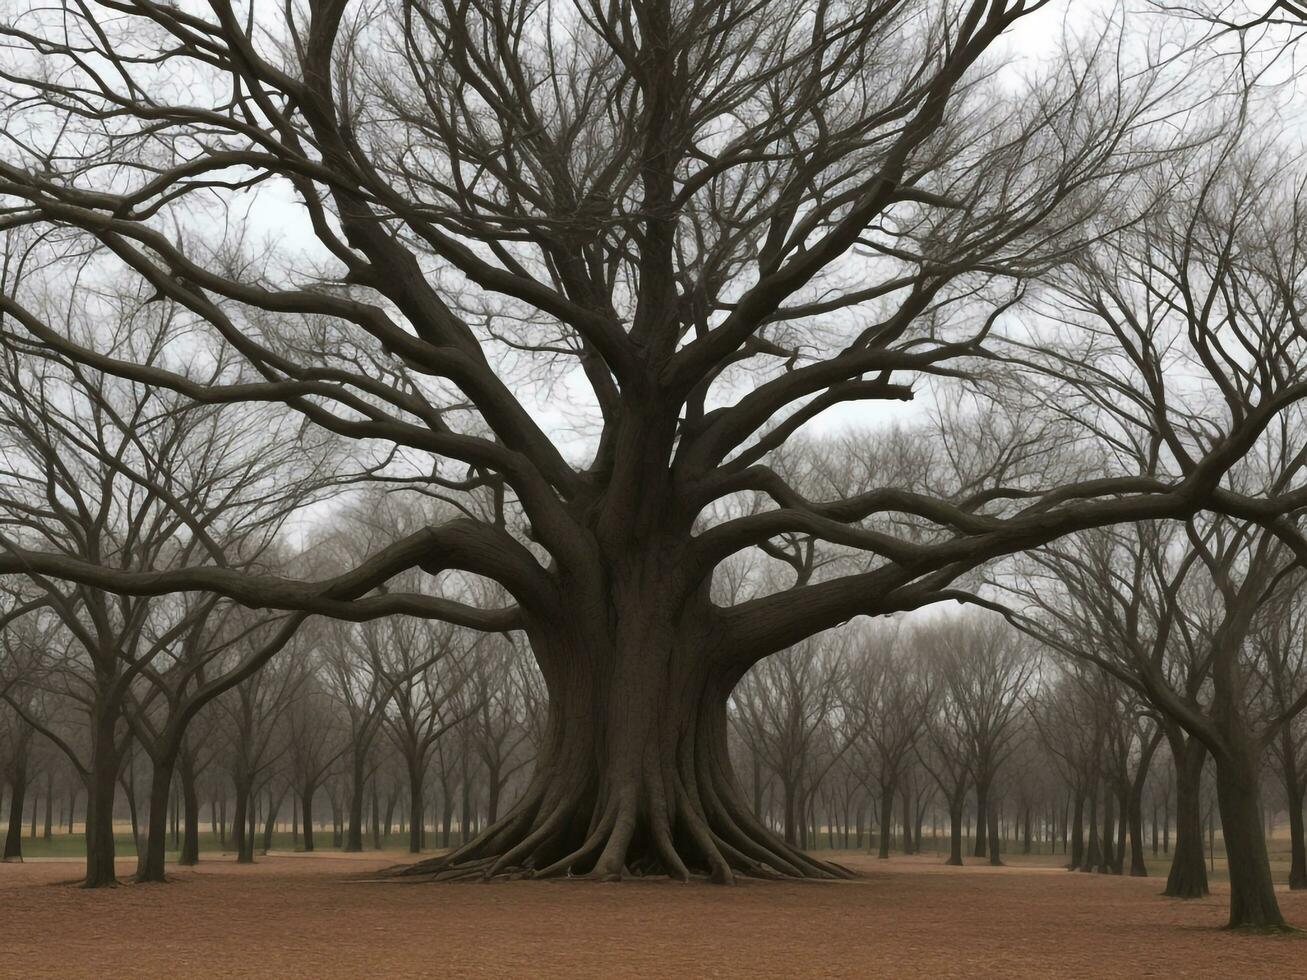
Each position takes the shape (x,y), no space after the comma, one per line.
(703,831)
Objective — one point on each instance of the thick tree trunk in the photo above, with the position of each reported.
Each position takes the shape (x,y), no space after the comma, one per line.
(101,789)
(1188,875)
(1252,889)
(633,776)
(150,865)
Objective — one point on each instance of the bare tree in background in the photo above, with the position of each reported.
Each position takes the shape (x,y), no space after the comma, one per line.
(889,694)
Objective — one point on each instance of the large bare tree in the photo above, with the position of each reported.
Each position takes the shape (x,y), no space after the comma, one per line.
(707,221)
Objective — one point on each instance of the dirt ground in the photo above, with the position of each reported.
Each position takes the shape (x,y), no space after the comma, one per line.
(310,916)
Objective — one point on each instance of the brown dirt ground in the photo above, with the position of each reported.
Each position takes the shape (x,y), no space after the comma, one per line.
(310,916)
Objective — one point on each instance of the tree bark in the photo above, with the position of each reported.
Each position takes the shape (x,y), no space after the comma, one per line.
(416,805)
(907,822)
(1188,874)
(270,824)
(1077,831)
(150,865)
(886,816)
(190,849)
(101,790)
(646,786)
(306,814)
(1091,856)
(18,782)
(994,857)
(48,830)
(1238,792)
(982,816)
(1294,787)
(358,779)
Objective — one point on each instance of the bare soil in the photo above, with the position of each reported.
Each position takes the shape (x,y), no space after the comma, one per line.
(311,916)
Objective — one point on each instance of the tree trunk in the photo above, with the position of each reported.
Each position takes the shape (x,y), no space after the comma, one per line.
(1138,867)
(646,787)
(190,850)
(982,817)
(416,802)
(1238,792)
(14,838)
(1297,843)
(49,805)
(1091,855)
(270,824)
(1123,814)
(907,822)
(241,836)
(101,789)
(446,815)
(1077,831)
(306,814)
(1294,787)
(886,815)
(150,864)
(994,858)
(1188,875)
(354,833)
(1108,843)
